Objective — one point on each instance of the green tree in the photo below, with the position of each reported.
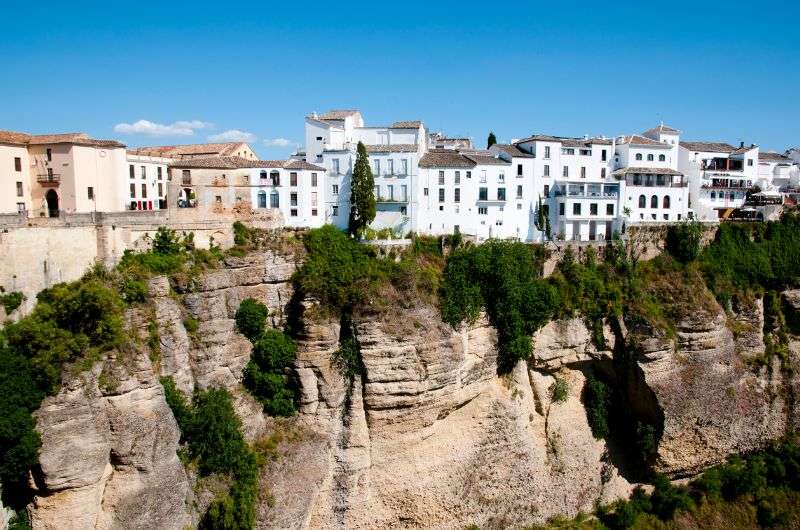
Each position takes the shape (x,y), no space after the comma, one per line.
(251,318)
(362,193)
(491,140)
(215,433)
(166,242)
(264,375)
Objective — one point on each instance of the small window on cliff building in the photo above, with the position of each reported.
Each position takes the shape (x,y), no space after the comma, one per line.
(90,193)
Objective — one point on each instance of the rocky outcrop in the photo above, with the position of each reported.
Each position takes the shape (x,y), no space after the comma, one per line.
(108,457)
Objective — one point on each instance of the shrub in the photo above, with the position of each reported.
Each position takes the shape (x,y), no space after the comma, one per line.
(241,234)
(683,240)
(264,374)
(597,401)
(251,318)
(191,324)
(166,242)
(11,301)
(559,390)
(180,407)
(214,433)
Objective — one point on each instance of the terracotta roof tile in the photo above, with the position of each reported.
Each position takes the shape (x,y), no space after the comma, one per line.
(445,158)
(410,124)
(485,160)
(177,151)
(637,139)
(63,138)
(646,171)
(338,114)
(565,141)
(512,150)
(236,162)
(662,129)
(392,148)
(710,147)
(771,156)
(16,138)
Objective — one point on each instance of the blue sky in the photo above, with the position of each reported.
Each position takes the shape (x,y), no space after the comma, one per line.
(716,70)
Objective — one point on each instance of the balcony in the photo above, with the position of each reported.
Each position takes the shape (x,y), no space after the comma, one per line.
(48,179)
(727,184)
(388,200)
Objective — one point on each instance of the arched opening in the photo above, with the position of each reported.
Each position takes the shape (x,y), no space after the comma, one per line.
(262,199)
(52,203)
(642,201)
(274,200)
(665,202)
(654,201)
(638,156)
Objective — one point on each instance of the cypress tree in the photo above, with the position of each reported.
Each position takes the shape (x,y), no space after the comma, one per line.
(362,193)
(491,141)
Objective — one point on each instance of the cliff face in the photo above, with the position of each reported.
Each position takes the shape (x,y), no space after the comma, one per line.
(429,435)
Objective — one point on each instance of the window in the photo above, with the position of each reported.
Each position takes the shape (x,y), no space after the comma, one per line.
(576,208)
(679,217)
(483,194)
(583,172)
(609,209)
(469,174)
(662,158)
(650,157)
(133,190)
(143,172)
(293,199)
(377,191)
(293,212)
(567,151)
(391,191)
(501,194)
(638,156)
(262,199)
(519,206)
(378,166)
(90,193)
(441,194)
(425,191)
(319,138)
(483,175)
(144,190)
(602,172)
(547,170)
(519,170)
(586,152)
(390,166)
(498,222)
(713,195)
(404,166)
(565,171)
(561,208)
(314,199)
(441,178)
(642,201)
(547,152)
(186,176)
(501,177)
(274,200)
(458,177)
(293,178)
(547,190)
(593,208)
(20,207)
(404,192)
(49,155)
(483,210)
(750,162)
(50,173)
(313,212)
(335,189)
(457,195)
(665,201)
(603,155)
(17,163)
(131,171)
(654,202)
(160,189)
(335,162)
(19,189)
(519,192)
(334,211)
(313,180)
(158,172)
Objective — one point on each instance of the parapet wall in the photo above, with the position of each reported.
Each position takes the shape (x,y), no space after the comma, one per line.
(38,253)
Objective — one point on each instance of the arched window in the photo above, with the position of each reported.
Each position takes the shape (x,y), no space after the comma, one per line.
(262,198)
(638,156)
(713,195)
(642,201)
(654,201)
(650,157)
(665,202)
(662,158)
(274,200)
(263,175)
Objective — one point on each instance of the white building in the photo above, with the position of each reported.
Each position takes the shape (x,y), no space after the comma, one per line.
(147,181)
(775,171)
(719,176)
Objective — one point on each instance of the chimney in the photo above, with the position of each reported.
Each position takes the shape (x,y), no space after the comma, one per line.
(741,144)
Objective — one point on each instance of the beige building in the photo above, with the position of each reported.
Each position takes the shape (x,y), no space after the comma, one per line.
(52,173)
(189,151)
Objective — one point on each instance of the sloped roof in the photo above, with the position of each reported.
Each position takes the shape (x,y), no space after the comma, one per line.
(20,138)
(409,124)
(445,158)
(637,139)
(485,160)
(175,151)
(710,147)
(513,151)
(662,129)
(338,114)
(645,171)
(771,156)
(237,162)
(565,140)
(392,148)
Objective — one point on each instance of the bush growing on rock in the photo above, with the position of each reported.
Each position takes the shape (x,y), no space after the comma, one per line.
(264,375)
(683,240)
(251,318)
(597,401)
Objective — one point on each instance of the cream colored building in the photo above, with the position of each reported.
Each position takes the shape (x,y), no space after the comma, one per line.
(15,182)
(70,173)
(189,151)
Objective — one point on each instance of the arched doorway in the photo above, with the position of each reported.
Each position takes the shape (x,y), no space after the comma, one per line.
(52,203)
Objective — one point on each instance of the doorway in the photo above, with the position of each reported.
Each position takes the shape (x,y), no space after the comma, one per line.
(52,203)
